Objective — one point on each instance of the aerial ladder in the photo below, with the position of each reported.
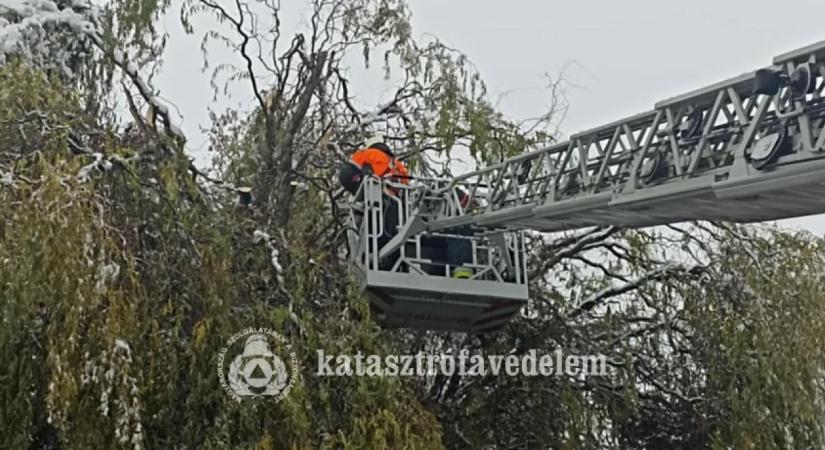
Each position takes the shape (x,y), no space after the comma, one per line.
(747,149)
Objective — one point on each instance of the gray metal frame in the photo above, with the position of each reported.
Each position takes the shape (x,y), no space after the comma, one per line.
(494,254)
(702,141)
(594,177)
(405,295)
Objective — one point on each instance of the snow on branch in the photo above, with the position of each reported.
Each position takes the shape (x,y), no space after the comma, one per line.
(99,163)
(30,28)
(42,32)
(143,87)
(6,178)
(274,254)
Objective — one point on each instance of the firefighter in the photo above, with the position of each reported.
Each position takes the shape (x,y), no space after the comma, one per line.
(375,158)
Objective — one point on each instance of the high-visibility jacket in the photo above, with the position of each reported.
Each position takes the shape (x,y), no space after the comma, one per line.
(382,164)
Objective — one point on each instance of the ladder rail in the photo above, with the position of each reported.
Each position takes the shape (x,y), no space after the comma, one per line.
(705,133)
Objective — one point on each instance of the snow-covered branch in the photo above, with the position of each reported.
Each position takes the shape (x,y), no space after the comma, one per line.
(30,28)
(47,35)
(274,254)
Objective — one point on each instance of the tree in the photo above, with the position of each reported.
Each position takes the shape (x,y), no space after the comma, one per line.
(124,268)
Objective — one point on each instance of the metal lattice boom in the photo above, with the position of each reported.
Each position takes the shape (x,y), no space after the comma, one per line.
(751,148)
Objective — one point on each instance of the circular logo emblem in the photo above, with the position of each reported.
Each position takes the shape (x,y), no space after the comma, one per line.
(254,370)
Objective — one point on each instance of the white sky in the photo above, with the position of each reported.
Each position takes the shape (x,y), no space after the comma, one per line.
(623,55)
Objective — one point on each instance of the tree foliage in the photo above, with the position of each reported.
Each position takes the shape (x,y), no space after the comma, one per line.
(124,268)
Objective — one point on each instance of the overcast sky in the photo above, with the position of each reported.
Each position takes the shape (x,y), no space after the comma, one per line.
(621,56)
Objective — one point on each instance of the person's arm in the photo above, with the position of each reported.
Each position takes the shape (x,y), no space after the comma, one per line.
(362,159)
(401,172)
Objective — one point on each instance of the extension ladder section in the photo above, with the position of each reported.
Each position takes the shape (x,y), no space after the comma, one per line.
(747,149)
